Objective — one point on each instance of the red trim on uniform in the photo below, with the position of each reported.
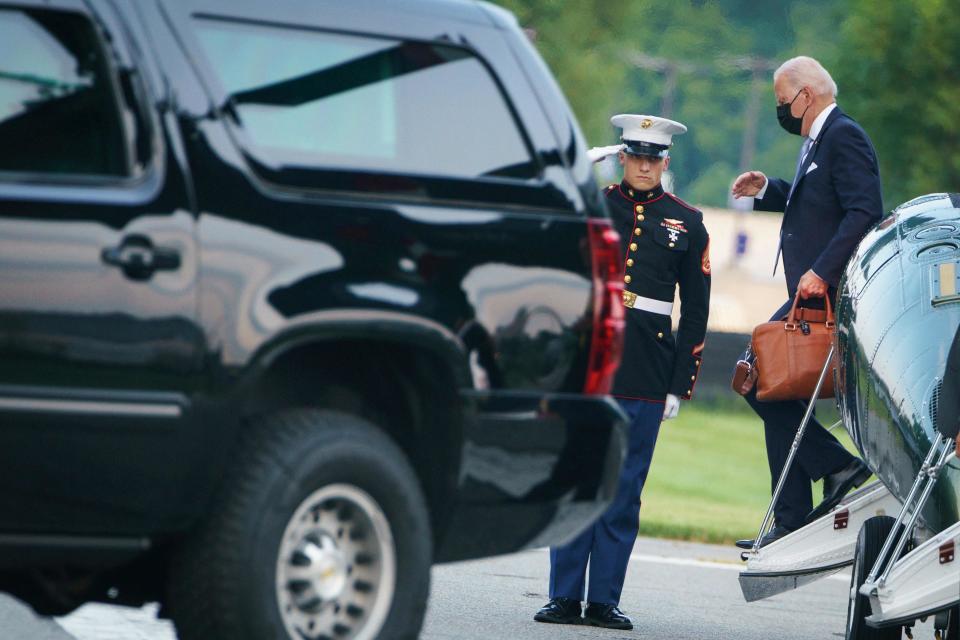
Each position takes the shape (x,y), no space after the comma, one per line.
(636,398)
(682,203)
(696,351)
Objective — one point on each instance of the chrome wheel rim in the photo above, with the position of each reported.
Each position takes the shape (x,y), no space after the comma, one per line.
(336,566)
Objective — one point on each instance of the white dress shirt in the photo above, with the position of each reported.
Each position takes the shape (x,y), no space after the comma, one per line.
(811,136)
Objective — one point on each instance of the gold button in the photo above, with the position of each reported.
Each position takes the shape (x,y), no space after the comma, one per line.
(627,279)
(689,391)
(637,231)
(639,208)
(692,378)
(641,218)
(629,262)
(633,246)
(672,245)
(659,335)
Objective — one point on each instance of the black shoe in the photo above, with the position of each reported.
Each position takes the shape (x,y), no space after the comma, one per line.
(836,485)
(776,533)
(560,611)
(607,616)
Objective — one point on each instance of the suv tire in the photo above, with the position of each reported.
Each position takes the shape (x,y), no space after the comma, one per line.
(323,529)
(870,542)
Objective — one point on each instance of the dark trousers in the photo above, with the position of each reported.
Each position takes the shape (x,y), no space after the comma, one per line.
(819,454)
(608,542)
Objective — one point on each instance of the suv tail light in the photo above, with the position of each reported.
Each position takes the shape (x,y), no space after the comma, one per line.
(606,344)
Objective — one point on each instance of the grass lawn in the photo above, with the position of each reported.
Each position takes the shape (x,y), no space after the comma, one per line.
(709,480)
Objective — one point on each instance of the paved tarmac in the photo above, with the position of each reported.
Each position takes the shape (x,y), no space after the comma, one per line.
(674,591)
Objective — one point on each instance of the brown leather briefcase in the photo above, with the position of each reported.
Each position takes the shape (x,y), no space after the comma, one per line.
(790,354)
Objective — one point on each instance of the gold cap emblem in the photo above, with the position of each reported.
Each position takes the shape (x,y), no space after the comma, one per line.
(646,123)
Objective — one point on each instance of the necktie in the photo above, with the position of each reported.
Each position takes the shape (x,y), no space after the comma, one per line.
(804,150)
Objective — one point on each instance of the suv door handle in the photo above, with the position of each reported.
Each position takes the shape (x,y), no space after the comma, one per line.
(139,258)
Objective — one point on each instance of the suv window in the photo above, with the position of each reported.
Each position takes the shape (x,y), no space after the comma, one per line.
(58,109)
(319,99)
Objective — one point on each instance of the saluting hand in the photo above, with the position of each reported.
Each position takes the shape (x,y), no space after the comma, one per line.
(812,286)
(748,184)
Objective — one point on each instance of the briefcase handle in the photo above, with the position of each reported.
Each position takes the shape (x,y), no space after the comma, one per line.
(791,324)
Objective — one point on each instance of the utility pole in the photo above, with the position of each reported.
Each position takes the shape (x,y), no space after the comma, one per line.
(758,68)
(670,70)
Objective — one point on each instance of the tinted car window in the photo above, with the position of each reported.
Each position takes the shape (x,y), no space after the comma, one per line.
(317,99)
(58,110)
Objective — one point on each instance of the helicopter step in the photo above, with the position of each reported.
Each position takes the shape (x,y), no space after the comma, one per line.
(816,550)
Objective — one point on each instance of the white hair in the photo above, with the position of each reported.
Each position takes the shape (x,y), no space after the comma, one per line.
(804,71)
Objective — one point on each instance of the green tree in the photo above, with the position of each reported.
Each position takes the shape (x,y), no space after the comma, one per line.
(579,42)
(900,79)
(684,60)
(707,93)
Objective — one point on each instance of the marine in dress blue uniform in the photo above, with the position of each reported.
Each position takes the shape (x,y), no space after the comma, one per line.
(665,246)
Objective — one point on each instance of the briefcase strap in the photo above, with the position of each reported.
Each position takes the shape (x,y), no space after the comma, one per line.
(791,324)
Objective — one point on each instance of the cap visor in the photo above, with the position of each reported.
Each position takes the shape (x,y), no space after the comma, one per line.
(647,152)
(649,149)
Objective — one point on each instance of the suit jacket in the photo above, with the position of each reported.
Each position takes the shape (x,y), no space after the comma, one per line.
(836,200)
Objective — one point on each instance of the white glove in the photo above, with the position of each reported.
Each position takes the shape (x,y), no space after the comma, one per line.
(596,154)
(671,407)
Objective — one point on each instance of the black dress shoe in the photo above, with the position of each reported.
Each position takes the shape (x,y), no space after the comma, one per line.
(560,611)
(838,484)
(607,616)
(776,533)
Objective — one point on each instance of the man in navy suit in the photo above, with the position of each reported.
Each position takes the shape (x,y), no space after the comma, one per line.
(833,199)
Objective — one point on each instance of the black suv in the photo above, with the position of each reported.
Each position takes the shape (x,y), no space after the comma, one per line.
(296,298)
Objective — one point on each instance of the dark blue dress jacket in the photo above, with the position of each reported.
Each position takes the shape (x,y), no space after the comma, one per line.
(836,200)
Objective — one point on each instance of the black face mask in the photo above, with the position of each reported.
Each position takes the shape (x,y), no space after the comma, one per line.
(790,123)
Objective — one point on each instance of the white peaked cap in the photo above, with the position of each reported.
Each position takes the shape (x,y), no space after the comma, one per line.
(652,129)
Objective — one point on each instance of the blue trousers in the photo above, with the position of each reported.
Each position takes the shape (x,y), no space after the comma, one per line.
(608,542)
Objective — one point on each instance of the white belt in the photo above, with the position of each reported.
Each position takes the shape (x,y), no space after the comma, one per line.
(633,301)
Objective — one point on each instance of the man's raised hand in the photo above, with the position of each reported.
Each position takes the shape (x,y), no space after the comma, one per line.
(748,184)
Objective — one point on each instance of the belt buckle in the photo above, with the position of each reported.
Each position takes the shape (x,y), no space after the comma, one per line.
(629,298)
